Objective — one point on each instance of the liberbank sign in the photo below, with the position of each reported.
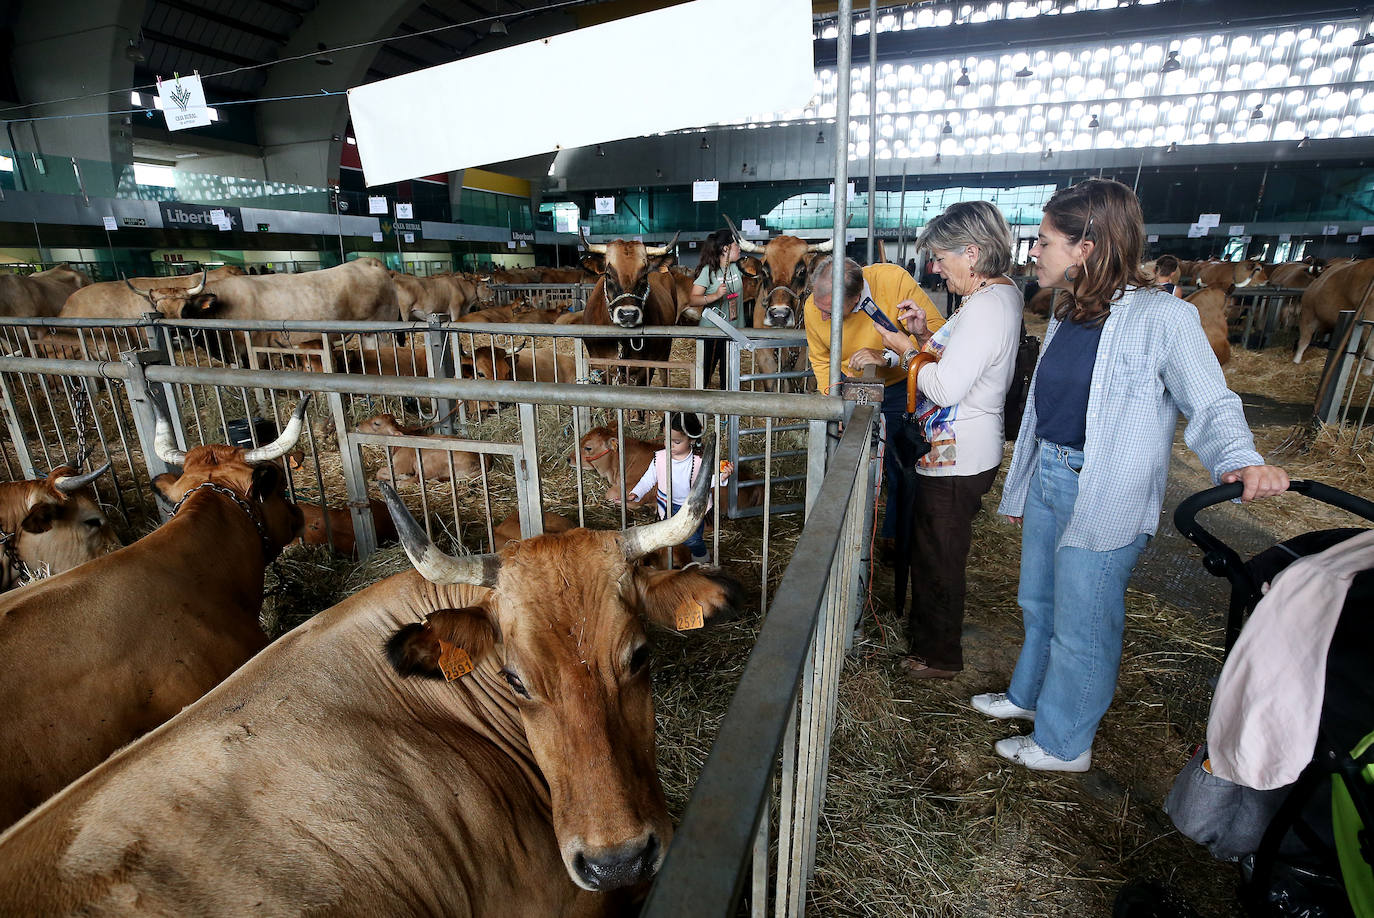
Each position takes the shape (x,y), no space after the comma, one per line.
(176,215)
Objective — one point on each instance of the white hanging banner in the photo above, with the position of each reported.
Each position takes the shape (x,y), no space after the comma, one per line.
(400,138)
(376,204)
(605,207)
(706,191)
(183,102)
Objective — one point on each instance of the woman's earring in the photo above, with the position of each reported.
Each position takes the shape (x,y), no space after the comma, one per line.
(1072,272)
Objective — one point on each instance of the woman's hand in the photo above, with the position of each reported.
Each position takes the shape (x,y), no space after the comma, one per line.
(865,356)
(914,318)
(1014,520)
(1259,481)
(895,341)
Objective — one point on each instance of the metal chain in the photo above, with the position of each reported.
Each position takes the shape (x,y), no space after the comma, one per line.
(81,413)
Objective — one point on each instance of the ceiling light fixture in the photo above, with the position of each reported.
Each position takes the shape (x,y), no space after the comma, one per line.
(1171,63)
(704,144)
(497,27)
(133,53)
(1257,114)
(1305,140)
(963,78)
(1024,72)
(1172,148)
(946,129)
(658,173)
(323,59)
(1363,41)
(937,159)
(820,137)
(600,151)
(1094,123)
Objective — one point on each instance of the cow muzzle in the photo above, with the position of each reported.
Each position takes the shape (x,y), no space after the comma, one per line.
(613,868)
(628,316)
(778,317)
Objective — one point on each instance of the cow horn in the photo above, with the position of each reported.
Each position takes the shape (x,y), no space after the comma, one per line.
(69,483)
(164,443)
(593,247)
(147,295)
(432,564)
(280,446)
(200,286)
(818,247)
(641,540)
(662,249)
(744,244)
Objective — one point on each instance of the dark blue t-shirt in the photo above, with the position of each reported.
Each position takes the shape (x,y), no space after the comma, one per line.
(1062,384)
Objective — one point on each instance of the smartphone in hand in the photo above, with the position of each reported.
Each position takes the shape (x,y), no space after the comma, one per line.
(877,315)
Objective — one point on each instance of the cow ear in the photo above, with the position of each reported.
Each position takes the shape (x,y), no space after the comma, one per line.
(266,481)
(671,598)
(162,485)
(750,266)
(415,649)
(594,264)
(40,517)
(663,262)
(200,306)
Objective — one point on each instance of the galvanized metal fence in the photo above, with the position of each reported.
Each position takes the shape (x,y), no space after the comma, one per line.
(567,297)
(1349,367)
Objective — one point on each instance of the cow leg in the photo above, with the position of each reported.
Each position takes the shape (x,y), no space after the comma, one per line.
(1306,329)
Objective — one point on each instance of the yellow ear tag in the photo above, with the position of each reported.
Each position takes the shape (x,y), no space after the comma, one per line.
(689,616)
(453,661)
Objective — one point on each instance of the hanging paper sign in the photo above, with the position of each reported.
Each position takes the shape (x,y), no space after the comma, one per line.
(376,237)
(706,191)
(1285,237)
(405,211)
(848,191)
(183,103)
(749,227)
(1353,237)
(605,207)
(1209,220)
(1367,231)
(1237,229)
(1196,230)
(110,223)
(1331,229)
(407,237)
(376,204)
(511,245)
(1152,238)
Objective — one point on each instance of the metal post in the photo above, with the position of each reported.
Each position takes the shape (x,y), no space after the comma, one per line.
(844,48)
(527,468)
(583,414)
(901,221)
(1330,404)
(872,122)
(21,448)
(440,367)
(141,402)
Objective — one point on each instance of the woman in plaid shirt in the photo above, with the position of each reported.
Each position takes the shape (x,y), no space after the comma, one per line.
(1121,359)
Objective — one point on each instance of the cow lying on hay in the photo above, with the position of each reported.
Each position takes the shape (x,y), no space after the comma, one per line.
(475,737)
(105,652)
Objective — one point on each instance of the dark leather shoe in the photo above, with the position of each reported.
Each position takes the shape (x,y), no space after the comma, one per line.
(913,668)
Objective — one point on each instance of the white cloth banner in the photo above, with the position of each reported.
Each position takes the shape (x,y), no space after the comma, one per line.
(183,103)
(400,138)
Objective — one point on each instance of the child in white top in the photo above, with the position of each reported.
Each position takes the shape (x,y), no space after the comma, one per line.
(684,431)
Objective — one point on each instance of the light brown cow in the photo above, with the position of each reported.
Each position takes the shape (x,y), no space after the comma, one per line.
(489,361)
(1211,303)
(1236,274)
(41,294)
(118,645)
(462,293)
(434,463)
(342,772)
(782,267)
(1343,285)
(599,452)
(508,530)
(630,293)
(51,525)
(114,299)
(1293,274)
(339,535)
(417,297)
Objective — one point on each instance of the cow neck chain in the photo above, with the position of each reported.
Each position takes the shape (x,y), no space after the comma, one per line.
(9,546)
(244,505)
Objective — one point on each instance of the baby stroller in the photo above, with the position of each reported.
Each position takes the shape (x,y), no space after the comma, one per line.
(1304,848)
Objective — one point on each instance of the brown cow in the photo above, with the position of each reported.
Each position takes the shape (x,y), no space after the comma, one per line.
(508,530)
(1042,302)
(114,299)
(782,267)
(41,294)
(599,452)
(630,293)
(1293,275)
(1343,285)
(341,771)
(340,536)
(489,361)
(1235,274)
(113,648)
(51,525)
(1211,303)
(434,463)
(417,297)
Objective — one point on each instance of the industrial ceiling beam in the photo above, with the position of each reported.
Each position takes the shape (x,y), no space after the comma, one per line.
(228,21)
(195,46)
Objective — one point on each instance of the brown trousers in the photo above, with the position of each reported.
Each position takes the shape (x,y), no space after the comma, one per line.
(942,534)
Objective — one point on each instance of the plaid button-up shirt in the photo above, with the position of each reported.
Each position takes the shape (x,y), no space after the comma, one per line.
(1153,361)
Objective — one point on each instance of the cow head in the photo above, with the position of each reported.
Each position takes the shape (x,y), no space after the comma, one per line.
(53,523)
(1251,273)
(181,302)
(782,267)
(624,268)
(253,475)
(382,424)
(563,627)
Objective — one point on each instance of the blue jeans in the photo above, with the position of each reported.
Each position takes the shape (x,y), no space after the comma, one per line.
(695,543)
(1073,606)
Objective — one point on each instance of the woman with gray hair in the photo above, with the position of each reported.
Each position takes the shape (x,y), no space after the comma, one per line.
(965,369)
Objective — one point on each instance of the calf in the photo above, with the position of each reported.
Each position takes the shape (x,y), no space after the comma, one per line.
(339,535)
(508,530)
(434,464)
(599,452)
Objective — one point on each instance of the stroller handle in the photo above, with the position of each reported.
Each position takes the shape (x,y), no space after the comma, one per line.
(1185,515)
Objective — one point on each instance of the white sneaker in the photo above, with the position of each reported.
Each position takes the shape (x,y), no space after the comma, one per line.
(996,704)
(1024,750)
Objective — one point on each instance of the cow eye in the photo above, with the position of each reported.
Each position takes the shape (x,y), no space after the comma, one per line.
(639,659)
(93,523)
(514,682)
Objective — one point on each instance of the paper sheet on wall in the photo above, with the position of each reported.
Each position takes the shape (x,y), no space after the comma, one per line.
(183,102)
(376,204)
(1367,231)
(400,138)
(405,211)
(706,190)
(377,237)
(109,223)
(1331,229)
(1196,230)
(605,207)
(407,237)
(1353,237)
(749,227)
(1237,229)
(1152,238)
(1209,220)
